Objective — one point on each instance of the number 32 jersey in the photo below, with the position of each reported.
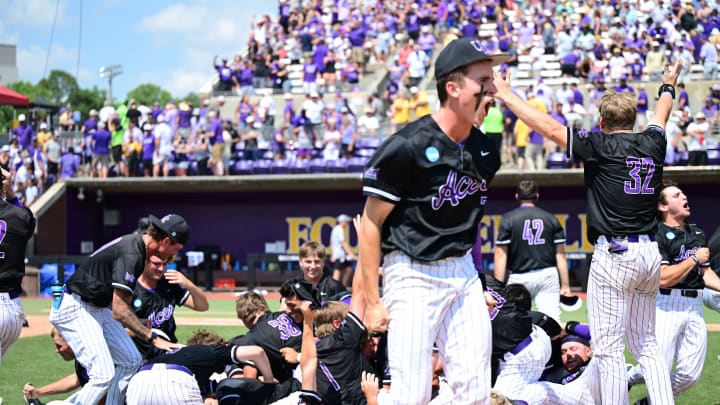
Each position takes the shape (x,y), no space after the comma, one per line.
(623,176)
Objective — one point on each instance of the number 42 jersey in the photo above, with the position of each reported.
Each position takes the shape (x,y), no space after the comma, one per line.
(623,176)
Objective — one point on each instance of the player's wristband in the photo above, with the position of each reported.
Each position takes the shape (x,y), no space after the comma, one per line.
(694,257)
(153,336)
(666,88)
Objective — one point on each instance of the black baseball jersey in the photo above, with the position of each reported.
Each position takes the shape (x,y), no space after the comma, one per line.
(341,363)
(118,264)
(510,324)
(329,288)
(439,189)
(202,360)
(531,235)
(157,305)
(81,373)
(714,246)
(676,245)
(623,177)
(17,225)
(272,332)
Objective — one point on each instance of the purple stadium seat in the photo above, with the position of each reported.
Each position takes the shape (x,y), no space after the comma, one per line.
(712,144)
(357,164)
(279,167)
(262,166)
(337,166)
(713,157)
(682,158)
(299,166)
(317,166)
(557,160)
(368,143)
(243,167)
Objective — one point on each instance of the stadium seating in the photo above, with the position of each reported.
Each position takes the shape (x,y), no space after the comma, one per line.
(557,160)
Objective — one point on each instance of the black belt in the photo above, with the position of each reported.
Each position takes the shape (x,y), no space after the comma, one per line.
(168,367)
(683,293)
(633,238)
(11,294)
(525,343)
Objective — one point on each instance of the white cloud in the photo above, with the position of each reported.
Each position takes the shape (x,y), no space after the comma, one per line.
(31,61)
(38,13)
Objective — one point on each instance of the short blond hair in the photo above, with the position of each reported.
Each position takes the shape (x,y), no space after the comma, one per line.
(248,306)
(329,312)
(618,110)
(311,248)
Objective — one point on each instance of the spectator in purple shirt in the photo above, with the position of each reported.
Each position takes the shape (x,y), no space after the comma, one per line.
(642,108)
(577,94)
(225,76)
(23,132)
(183,119)
(148,149)
(310,72)
(69,164)
(100,143)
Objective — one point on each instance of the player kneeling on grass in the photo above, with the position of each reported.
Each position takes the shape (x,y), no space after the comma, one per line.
(183,377)
(63,385)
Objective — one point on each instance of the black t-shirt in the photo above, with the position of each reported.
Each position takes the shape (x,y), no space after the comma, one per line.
(118,264)
(341,363)
(676,245)
(133,114)
(714,246)
(202,360)
(439,189)
(272,332)
(531,235)
(623,177)
(17,225)
(158,306)
(329,288)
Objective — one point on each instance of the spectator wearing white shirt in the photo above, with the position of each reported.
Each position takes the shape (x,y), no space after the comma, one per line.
(709,58)
(564,94)
(368,124)
(417,65)
(687,59)
(573,112)
(698,132)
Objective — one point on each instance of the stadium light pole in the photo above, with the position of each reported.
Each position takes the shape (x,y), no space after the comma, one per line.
(110,72)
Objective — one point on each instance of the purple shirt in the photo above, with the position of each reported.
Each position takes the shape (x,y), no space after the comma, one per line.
(184,119)
(89,124)
(310,72)
(570,59)
(148,146)
(70,164)
(469,30)
(578,96)
(102,142)
(426,42)
(321,50)
(642,107)
(24,134)
(559,118)
(357,37)
(224,72)
(245,76)
(216,127)
(684,96)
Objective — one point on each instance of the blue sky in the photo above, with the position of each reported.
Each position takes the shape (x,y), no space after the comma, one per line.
(168,43)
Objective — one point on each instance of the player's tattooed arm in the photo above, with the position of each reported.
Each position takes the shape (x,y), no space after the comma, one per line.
(125,315)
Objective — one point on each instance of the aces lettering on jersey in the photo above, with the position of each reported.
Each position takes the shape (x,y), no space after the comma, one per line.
(286,326)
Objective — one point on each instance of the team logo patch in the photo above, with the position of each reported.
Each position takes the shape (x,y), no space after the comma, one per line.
(137,303)
(166,218)
(670,235)
(478,46)
(432,154)
(371,173)
(129,277)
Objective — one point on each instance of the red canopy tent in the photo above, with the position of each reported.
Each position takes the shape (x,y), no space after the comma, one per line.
(10,97)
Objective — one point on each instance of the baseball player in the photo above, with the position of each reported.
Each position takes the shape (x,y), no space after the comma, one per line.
(97,304)
(183,377)
(17,224)
(312,262)
(156,294)
(711,298)
(272,331)
(531,245)
(623,176)
(680,325)
(426,189)
(66,384)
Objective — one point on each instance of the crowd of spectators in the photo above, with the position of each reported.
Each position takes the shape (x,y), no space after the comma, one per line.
(313,55)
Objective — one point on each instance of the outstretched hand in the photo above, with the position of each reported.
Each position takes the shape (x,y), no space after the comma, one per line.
(502,84)
(671,73)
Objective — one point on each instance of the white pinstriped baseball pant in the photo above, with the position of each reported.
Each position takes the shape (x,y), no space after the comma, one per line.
(163,386)
(622,291)
(437,302)
(544,287)
(682,336)
(101,345)
(11,321)
(517,371)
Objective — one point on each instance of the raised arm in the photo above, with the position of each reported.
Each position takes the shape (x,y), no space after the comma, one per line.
(539,121)
(308,360)
(663,107)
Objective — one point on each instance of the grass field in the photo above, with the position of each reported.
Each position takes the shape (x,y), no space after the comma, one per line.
(33,359)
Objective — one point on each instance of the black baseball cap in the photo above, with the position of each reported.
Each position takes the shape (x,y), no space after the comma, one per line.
(174,225)
(462,52)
